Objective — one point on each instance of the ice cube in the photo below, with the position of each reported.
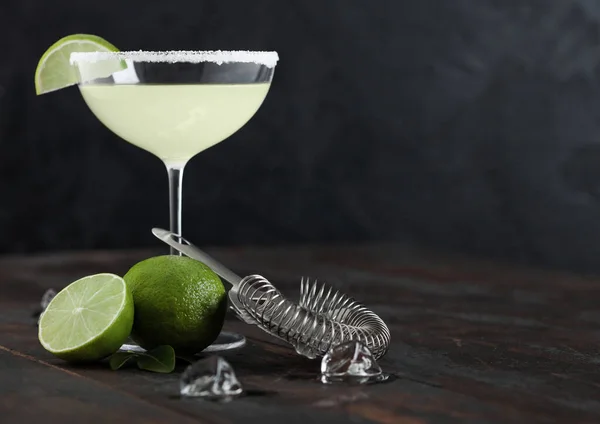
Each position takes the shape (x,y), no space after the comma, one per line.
(211,378)
(305,350)
(350,362)
(46,299)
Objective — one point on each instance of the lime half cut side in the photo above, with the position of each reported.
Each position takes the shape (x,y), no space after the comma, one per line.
(88,320)
(54,70)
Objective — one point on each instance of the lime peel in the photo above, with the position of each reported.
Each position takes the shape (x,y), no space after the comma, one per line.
(55,71)
(178,301)
(88,320)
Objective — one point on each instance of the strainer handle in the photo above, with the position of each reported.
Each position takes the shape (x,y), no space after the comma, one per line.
(182,245)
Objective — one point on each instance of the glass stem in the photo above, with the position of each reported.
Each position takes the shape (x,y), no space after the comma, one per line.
(175,199)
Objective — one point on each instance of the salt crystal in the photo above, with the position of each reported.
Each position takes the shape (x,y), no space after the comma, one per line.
(268,59)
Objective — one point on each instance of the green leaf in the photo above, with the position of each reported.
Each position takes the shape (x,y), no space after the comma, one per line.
(118,359)
(160,359)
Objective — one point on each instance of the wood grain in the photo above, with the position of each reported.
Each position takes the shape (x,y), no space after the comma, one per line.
(472,341)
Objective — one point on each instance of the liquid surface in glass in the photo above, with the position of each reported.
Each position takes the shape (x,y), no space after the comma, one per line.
(174,121)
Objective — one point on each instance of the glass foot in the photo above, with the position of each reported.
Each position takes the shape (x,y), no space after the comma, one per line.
(227,340)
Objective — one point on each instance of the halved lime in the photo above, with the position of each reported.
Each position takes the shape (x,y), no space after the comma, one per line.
(54,70)
(88,320)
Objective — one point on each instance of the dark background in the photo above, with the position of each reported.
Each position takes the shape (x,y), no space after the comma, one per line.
(466,125)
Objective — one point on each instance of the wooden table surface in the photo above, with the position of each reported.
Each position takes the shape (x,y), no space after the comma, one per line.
(472,341)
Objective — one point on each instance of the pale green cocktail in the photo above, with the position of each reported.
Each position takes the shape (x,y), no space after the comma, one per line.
(174,122)
(175,104)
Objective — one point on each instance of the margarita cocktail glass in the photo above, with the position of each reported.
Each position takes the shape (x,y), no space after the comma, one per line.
(176,104)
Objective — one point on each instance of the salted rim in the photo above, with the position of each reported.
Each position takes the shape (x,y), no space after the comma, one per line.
(219,57)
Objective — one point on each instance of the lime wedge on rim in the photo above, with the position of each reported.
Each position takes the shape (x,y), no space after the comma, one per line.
(88,320)
(54,70)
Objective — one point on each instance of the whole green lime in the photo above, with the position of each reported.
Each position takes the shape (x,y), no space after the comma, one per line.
(178,301)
